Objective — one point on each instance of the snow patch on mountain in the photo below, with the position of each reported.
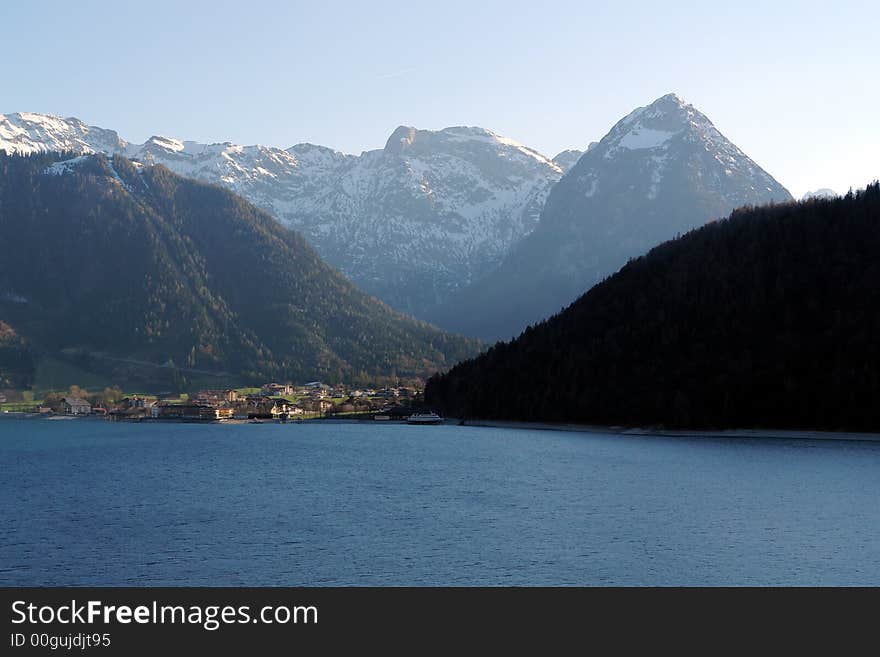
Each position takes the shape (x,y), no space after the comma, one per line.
(641,137)
(65,166)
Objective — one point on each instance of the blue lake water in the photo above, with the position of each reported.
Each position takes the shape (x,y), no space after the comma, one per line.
(98,503)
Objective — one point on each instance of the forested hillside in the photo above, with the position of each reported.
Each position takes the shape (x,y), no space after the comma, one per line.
(121,266)
(770,318)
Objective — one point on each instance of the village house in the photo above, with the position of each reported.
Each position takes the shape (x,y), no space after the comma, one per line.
(75,406)
(132,409)
(134,402)
(264,407)
(315,405)
(224,413)
(277,389)
(217,396)
(317,391)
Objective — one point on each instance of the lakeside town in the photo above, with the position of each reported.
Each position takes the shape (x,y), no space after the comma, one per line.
(279,402)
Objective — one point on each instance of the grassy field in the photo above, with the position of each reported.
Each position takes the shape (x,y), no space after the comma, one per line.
(57,374)
(17,407)
(54,374)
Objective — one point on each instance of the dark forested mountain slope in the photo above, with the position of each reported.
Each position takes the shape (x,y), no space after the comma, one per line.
(122,263)
(16,359)
(770,318)
(659,172)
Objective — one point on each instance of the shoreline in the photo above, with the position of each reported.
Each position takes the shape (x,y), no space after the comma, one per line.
(772,434)
(776,434)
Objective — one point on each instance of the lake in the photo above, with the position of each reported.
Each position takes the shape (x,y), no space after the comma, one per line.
(97,503)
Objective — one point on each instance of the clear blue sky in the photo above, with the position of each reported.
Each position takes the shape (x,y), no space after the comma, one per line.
(794,84)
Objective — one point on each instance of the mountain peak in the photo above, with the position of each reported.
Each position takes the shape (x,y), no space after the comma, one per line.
(671,135)
(41,119)
(671,98)
(30,132)
(166,143)
(568,158)
(656,126)
(317,156)
(402,137)
(670,109)
(670,105)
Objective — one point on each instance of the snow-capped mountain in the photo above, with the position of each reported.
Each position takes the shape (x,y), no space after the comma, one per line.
(567,159)
(26,132)
(410,223)
(661,170)
(820,193)
(430,212)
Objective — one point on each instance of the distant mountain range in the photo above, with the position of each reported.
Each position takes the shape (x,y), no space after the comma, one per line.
(661,170)
(411,223)
(820,193)
(132,271)
(462,227)
(769,319)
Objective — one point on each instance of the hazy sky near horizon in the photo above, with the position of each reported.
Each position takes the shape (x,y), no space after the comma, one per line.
(793,84)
